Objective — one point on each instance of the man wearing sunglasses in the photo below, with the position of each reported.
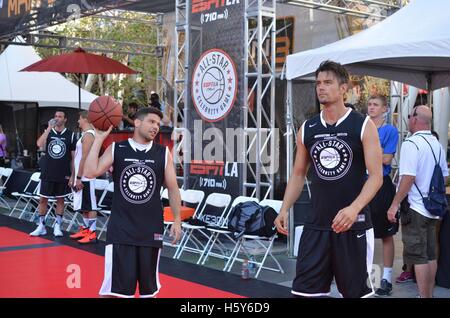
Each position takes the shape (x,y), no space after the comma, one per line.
(418,156)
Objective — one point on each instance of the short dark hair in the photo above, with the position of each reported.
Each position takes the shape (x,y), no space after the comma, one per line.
(133,105)
(336,68)
(61,111)
(141,113)
(382,98)
(84,114)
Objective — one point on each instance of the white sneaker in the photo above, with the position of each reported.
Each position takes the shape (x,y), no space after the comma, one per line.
(40,230)
(57,230)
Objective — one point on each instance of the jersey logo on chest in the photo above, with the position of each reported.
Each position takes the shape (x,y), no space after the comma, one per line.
(137,183)
(331,158)
(56,148)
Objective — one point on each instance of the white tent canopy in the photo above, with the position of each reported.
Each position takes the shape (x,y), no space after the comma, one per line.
(410,46)
(45,88)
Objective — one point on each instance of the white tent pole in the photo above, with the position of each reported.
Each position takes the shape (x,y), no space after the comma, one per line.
(441,112)
(289,161)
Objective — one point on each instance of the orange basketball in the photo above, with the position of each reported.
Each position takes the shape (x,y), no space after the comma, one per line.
(105,111)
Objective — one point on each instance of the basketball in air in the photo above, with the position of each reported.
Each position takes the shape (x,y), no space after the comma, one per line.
(105,111)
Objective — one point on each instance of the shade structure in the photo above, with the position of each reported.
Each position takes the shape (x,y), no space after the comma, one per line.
(47,89)
(79,62)
(411,46)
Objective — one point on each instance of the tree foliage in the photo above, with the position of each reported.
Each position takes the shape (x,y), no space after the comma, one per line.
(142,29)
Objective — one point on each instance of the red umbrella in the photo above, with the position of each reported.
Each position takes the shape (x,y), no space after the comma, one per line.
(79,62)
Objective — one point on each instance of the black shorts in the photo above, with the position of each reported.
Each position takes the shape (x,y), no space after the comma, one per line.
(51,189)
(85,200)
(127,265)
(379,207)
(322,255)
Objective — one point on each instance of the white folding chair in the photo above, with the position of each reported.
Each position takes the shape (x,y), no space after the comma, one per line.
(165,196)
(191,197)
(214,240)
(266,243)
(105,210)
(27,195)
(213,213)
(4,173)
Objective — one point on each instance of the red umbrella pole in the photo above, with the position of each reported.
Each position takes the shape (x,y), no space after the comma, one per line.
(79,91)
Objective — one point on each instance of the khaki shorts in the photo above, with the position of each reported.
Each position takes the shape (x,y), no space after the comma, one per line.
(419,237)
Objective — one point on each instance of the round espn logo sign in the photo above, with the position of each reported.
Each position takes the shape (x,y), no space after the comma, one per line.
(214,85)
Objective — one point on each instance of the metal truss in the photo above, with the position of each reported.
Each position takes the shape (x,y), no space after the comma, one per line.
(376,9)
(259,85)
(43,17)
(48,40)
(181,152)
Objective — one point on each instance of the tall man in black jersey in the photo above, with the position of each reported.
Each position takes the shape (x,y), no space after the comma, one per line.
(56,169)
(135,229)
(337,239)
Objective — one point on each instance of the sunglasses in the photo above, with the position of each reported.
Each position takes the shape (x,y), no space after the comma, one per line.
(414,114)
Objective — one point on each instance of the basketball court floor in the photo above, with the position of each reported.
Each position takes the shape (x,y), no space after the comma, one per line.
(45,267)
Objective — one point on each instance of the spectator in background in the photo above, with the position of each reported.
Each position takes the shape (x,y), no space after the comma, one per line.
(408,274)
(56,170)
(128,120)
(383,229)
(417,161)
(154,100)
(84,200)
(3,143)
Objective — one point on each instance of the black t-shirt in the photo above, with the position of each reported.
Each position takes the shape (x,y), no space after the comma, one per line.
(156,104)
(126,124)
(137,213)
(338,170)
(58,156)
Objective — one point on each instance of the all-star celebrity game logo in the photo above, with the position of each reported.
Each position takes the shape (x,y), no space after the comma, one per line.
(137,183)
(214,85)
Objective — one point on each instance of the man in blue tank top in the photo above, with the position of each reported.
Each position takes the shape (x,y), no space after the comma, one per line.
(341,145)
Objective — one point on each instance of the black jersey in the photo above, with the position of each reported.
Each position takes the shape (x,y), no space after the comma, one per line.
(58,155)
(338,170)
(137,213)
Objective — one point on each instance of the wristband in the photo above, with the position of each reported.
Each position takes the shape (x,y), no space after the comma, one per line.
(79,178)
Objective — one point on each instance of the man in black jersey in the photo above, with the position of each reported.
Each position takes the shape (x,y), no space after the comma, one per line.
(135,229)
(337,239)
(56,170)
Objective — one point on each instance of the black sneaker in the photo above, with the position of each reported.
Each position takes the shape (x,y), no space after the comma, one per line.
(385,288)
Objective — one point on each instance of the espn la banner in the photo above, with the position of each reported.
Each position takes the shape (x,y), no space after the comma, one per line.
(216,95)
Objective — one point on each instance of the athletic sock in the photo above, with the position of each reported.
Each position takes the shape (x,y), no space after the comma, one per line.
(93,224)
(42,219)
(387,274)
(86,222)
(58,219)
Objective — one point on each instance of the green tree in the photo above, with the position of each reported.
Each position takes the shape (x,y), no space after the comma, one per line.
(129,27)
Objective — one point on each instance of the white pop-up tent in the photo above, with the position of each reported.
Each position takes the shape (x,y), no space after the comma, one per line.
(47,89)
(411,46)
